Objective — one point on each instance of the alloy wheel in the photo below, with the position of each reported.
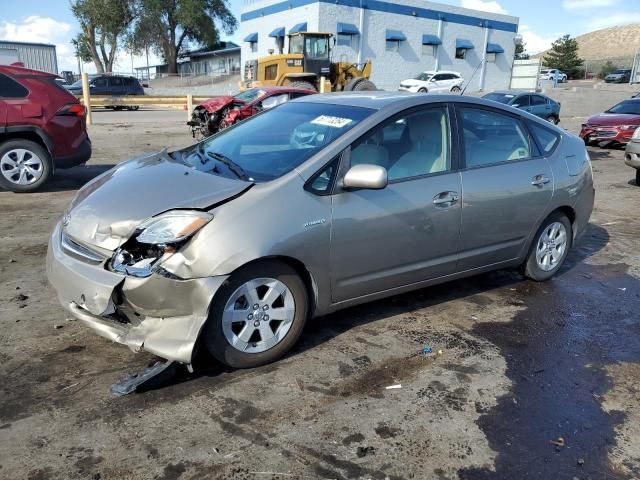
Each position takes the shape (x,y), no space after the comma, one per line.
(551,247)
(258,315)
(21,167)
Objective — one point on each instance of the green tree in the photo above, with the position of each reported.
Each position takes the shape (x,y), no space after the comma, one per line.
(103,24)
(81,47)
(564,56)
(521,51)
(171,25)
(606,69)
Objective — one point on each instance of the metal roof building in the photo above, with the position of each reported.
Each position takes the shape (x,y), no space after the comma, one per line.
(38,56)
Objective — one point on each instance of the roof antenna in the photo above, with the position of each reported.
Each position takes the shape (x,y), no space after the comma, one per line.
(472,75)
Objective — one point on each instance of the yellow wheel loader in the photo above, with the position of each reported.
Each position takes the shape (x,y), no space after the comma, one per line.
(308,60)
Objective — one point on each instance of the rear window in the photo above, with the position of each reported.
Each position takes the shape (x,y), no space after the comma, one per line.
(546,139)
(9,88)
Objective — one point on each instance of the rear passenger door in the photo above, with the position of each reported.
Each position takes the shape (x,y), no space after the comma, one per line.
(506,186)
(116,86)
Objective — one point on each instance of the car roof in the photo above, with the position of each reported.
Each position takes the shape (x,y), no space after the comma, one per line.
(18,71)
(435,72)
(284,89)
(378,100)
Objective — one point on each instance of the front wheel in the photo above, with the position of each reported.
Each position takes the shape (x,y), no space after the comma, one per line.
(456,89)
(549,248)
(302,85)
(257,315)
(422,90)
(638,177)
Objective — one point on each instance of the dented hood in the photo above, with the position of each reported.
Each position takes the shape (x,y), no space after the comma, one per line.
(108,210)
(216,103)
(614,119)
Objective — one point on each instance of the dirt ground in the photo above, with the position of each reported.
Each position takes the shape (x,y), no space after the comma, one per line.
(522,364)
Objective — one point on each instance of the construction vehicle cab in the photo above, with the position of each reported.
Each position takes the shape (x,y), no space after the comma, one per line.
(307,63)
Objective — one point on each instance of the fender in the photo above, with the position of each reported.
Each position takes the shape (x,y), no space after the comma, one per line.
(46,140)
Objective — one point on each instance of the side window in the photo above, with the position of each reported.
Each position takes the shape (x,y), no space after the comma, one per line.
(409,145)
(547,140)
(322,182)
(274,100)
(100,82)
(9,88)
(491,137)
(538,100)
(438,77)
(115,82)
(270,72)
(522,101)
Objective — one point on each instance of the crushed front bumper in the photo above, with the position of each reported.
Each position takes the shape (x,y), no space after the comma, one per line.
(605,134)
(161,315)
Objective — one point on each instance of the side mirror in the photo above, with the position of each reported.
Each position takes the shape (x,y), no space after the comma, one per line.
(367,176)
(515,105)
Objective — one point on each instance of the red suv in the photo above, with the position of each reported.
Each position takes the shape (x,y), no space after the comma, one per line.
(42,127)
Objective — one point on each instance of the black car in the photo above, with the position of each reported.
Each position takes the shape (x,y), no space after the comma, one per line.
(110,85)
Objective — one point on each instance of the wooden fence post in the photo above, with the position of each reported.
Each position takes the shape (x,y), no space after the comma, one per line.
(86,97)
(189,105)
(321,84)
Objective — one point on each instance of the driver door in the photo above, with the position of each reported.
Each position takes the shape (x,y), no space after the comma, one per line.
(408,231)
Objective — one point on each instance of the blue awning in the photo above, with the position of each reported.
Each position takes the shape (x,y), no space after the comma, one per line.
(347,29)
(299,27)
(494,48)
(431,40)
(278,32)
(395,36)
(251,38)
(465,44)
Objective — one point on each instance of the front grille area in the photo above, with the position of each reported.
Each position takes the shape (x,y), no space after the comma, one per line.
(606,133)
(75,249)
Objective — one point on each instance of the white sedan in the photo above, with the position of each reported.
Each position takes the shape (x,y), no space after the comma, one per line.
(553,74)
(441,81)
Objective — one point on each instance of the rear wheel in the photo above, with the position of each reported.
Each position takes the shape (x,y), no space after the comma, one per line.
(257,316)
(549,248)
(302,85)
(24,166)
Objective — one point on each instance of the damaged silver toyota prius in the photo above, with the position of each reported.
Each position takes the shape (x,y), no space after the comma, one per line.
(321,203)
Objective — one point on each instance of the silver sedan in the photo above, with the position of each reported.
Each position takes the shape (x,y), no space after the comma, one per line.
(318,204)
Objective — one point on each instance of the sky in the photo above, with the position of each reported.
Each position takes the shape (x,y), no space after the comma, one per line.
(541,22)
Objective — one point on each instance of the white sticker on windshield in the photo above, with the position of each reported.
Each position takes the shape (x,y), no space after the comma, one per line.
(329,121)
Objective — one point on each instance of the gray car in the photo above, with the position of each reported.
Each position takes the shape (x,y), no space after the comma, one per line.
(318,204)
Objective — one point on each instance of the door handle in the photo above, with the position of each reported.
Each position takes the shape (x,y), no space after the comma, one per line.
(540,181)
(446,199)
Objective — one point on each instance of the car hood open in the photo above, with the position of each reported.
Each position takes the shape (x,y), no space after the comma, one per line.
(613,119)
(109,209)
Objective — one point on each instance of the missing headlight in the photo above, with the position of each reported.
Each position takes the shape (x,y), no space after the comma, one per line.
(140,259)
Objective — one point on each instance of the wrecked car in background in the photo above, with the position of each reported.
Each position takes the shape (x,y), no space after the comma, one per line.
(234,242)
(221,112)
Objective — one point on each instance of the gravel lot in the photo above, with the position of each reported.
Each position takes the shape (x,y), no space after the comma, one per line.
(522,364)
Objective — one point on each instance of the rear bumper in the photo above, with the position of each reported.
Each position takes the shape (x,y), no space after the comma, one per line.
(632,154)
(82,155)
(160,315)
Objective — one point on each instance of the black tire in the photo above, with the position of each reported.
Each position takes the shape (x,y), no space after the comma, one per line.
(638,177)
(531,269)
(213,334)
(365,86)
(553,119)
(422,90)
(456,89)
(34,149)
(133,108)
(303,85)
(351,84)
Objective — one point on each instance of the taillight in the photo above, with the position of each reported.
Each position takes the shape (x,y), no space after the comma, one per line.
(73,110)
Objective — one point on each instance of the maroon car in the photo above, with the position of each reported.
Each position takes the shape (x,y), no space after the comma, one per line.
(615,126)
(220,112)
(42,127)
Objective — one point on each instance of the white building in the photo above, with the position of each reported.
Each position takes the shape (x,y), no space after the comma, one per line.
(38,56)
(402,38)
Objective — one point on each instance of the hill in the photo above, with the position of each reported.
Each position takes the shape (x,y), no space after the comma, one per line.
(609,43)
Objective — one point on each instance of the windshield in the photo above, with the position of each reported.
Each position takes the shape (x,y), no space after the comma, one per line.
(256,151)
(250,95)
(317,48)
(424,76)
(619,72)
(500,97)
(77,84)
(631,107)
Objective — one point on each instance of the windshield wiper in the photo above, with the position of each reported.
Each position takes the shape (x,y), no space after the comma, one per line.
(231,165)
